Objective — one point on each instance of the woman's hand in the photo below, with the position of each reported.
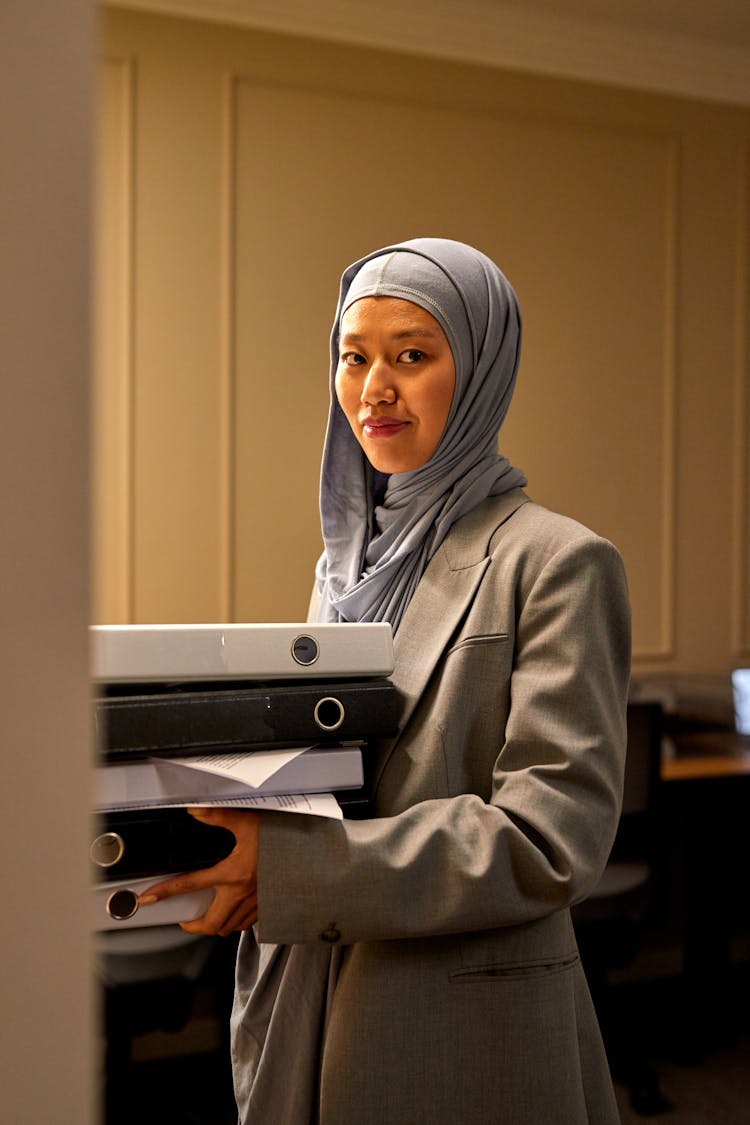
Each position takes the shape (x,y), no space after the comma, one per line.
(235,904)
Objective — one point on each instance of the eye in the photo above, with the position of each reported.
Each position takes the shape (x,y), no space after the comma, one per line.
(352,359)
(411,355)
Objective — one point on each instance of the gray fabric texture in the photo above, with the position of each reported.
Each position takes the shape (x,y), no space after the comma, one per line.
(457,997)
(375,554)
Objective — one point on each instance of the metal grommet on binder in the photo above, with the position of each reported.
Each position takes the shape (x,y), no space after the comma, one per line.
(329,713)
(122,905)
(107,849)
(305,649)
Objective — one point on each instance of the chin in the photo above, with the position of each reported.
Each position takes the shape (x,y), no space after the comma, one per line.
(390,465)
(389,461)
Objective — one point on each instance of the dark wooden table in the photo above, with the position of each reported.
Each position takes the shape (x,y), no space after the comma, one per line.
(705,755)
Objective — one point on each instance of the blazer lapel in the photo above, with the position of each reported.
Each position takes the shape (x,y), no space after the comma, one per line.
(440,601)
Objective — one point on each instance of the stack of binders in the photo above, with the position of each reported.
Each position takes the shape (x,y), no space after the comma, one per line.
(185,714)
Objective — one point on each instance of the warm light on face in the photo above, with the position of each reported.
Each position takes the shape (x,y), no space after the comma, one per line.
(395,381)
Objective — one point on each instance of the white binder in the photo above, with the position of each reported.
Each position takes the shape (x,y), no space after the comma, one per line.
(114,906)
(165,782)
(143,653)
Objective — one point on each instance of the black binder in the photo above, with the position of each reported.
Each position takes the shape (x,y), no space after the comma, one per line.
(148,842)
(126,845)
(183,720)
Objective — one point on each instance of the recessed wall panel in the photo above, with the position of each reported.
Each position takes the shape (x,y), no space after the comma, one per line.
(261,165)
(178,360)
(112,388)
(581,220)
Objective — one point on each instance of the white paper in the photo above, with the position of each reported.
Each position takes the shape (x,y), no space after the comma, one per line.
(314,804)
(311,804)
(249,769)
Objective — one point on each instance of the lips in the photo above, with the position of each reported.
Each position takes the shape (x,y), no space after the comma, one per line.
(382,426)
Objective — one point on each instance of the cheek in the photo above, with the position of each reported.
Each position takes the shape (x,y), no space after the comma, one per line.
(345,393)
(337,386)
(444,400)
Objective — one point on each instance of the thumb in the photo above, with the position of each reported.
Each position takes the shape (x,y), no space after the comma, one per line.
(202,813)
(235,820)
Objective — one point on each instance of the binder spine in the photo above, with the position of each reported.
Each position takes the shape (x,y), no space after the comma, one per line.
(114,906)
(133,653)
(199,722)
(143,843)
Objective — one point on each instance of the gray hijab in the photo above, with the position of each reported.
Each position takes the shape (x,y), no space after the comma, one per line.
(377,548)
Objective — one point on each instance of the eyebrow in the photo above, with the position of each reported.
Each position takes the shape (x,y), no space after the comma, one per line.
(405,334)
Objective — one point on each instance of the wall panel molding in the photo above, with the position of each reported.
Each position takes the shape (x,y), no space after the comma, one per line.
(227,435)
(622,220)
(113,532)
(740,600)
(668,492)
(653,151)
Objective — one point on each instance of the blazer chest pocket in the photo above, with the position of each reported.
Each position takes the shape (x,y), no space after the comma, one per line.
(479,641)
(475,676)
(471,704)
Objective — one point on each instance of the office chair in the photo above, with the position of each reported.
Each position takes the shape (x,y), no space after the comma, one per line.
(609,923)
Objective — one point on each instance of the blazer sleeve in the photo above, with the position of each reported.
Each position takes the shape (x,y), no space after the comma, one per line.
(463,863)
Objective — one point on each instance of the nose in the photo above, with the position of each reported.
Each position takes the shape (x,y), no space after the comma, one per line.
(378,385)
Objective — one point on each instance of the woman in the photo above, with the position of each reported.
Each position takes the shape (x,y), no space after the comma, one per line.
(420,966)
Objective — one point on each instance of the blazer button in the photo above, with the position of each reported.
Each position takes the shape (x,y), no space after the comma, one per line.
(331,934)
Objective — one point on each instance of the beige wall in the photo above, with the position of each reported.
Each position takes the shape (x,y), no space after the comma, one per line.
(239,172)
(46,992)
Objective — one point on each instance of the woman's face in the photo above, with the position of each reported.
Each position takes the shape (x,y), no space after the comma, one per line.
(395,381)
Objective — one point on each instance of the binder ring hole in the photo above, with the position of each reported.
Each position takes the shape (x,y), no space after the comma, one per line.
(329,713)
(107,849)
(305,649)
(122,905)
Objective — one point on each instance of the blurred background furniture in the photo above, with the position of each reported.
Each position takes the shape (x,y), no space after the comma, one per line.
(154,979)
(609,924)
(704,886)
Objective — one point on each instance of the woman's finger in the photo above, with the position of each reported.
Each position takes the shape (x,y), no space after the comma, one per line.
(245,916)
(237,821)
(239,867)
(228,912)
(181,885)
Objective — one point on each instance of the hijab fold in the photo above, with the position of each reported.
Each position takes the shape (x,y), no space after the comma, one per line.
(375,553)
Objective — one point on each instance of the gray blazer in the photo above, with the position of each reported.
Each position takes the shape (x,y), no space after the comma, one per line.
(421,966)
